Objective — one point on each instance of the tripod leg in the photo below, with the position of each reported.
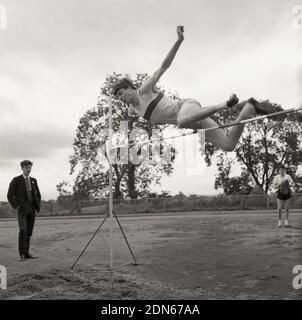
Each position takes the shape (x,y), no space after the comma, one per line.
(135,262)
(87,245)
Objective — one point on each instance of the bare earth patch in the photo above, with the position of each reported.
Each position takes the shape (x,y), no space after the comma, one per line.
(92,284)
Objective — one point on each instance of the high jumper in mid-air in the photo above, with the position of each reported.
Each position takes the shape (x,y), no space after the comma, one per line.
(151,104)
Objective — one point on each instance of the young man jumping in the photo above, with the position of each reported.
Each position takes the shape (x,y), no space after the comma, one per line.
(150,104)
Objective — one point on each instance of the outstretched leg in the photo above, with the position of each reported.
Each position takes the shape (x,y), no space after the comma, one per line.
(218,137)
(191,111)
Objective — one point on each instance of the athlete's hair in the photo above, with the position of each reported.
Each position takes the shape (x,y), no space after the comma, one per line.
(282,166)
(123,83)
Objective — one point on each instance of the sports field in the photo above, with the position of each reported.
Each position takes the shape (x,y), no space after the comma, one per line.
(238,255)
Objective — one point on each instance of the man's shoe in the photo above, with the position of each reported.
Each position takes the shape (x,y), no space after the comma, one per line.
(30,256)
(22,257)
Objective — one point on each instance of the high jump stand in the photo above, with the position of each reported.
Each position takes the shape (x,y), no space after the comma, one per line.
(110,213)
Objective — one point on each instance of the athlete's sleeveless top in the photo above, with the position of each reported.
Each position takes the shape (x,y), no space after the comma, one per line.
(158,108)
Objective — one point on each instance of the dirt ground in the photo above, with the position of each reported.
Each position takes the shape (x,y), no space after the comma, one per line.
(181,256)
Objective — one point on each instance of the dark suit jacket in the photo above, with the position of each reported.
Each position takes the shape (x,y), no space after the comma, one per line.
(17,194)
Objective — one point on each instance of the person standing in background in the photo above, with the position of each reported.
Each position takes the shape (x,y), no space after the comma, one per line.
(24,195)
(283,185)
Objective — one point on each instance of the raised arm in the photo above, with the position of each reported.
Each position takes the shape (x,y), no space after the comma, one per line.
(151,82)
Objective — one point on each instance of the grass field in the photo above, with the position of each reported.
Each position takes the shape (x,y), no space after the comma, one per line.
(181,256)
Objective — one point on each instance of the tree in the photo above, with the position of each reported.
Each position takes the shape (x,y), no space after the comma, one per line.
(264,145)
(241,184)
(90,158)
(62,188)
(161,194)
(65,195)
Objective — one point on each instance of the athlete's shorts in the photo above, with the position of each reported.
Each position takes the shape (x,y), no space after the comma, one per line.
(283,204)
(188,100)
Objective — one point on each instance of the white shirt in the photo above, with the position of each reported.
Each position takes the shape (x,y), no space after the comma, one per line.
(280,179)
(25,177)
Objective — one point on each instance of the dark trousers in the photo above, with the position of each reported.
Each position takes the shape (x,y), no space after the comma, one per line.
(26,220)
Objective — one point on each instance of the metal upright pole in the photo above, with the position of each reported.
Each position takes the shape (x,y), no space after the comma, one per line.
(110,186)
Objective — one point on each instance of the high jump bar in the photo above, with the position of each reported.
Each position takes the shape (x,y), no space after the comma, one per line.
(232,124)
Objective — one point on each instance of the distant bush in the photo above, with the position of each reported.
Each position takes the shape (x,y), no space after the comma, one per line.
(177,203)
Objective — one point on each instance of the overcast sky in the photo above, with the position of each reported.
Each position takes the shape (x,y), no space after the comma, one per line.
(55,55)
